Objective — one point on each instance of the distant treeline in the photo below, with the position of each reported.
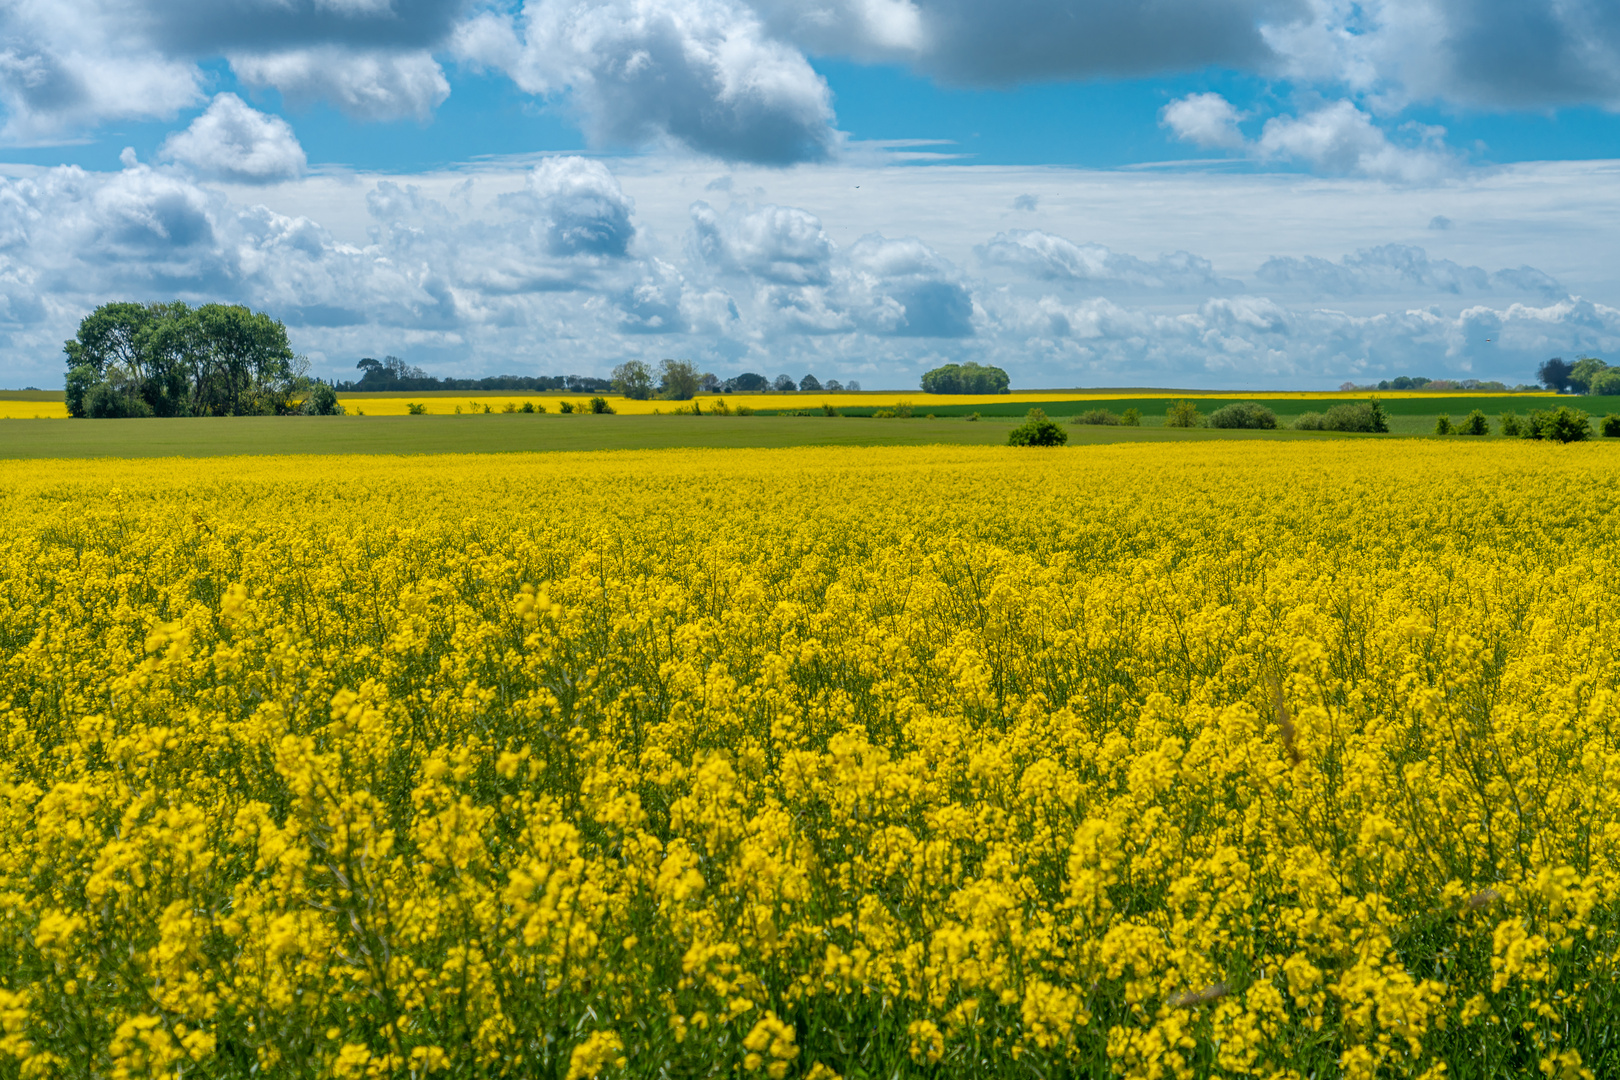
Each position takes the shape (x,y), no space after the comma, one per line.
(393,374)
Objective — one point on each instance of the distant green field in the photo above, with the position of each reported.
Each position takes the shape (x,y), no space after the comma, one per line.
(498,433)
(1407,416)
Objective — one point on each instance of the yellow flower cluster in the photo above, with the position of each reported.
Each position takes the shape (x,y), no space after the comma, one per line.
(1214,759)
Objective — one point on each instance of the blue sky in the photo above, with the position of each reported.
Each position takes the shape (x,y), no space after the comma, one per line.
(1260,193)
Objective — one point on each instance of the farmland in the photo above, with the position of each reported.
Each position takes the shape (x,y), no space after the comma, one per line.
(1279,757)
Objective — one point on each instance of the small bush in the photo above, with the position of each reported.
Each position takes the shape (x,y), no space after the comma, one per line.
(1183,414)
(718,407)
(883,414)
(511,407)
(1096,416)
(599,405)
(828,410)
(1610,426)
(565,407)
(1563,424)
(1243,414)
(1442,425)
(744,410)
(1037,430)
(1475,423)
(902,409)
(1351,416)
(322,401)
(972,417)
(1512,426)
(1131,418)
(415,409)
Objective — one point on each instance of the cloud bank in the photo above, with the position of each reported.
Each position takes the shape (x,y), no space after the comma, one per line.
(561,268)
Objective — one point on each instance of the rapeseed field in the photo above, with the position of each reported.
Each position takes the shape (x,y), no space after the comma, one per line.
(1263,759)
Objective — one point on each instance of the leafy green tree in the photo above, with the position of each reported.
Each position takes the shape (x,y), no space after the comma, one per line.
(1182,414)
(599,405)
(1475,423)
(810,384)
(1607,382)
(1585,372)
(1512,426)
(633,379)
(1611,426)
(678,379)
(1554,374)
(968,378)
(1442,425)
(1037,430)
(322,401)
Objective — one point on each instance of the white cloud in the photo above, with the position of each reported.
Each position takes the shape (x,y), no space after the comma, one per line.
(585,212)
(1341,138)
(1337,138)
(1401,270)
(1053,258)
(369,85)
(1206,120)
(231,141)
(699,74)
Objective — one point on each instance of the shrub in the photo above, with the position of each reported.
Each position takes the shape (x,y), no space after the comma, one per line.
(1095,416)
(1611,426)
(1563,424)
(599,405)
(1131,418)
(415,408)
(1442,425)
(1243,414)
(1511,424)
(718,407)
(1037,430)
(1475,423)
(883,414)
(1365,416)
(511,407)
(322,401)
(828,410)
(902,409)
(1183,414)
(565,407)
(744,410)
(972,417)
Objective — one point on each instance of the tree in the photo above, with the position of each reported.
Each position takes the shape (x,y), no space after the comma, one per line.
(173,360)
(810,385)
(747,383)
(833,386)
(1606,382)
(968,378)
(784,384)
(1554,374)
(1182,414)
(709,384)
(1562,424)
(634,380)
(678,379)
(1475,423)
(1037,430)
(1586,370)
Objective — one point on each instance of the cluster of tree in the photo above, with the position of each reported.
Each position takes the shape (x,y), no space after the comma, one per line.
(131,359)
(968,378)
(392,373)
(1418,382)
(1587,375)
(1037,430)
(680,380)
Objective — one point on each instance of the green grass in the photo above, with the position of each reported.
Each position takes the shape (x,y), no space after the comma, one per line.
(498,433)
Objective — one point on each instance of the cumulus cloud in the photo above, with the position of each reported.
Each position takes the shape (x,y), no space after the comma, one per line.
(1336,138)
(700,74)
(368,85)
(805,284)
(1401,269)
(1053,258)
(231,141)
(582,207)
(1206,120)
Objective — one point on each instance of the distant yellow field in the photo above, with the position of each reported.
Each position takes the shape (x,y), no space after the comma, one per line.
(475,403)
(32,410)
